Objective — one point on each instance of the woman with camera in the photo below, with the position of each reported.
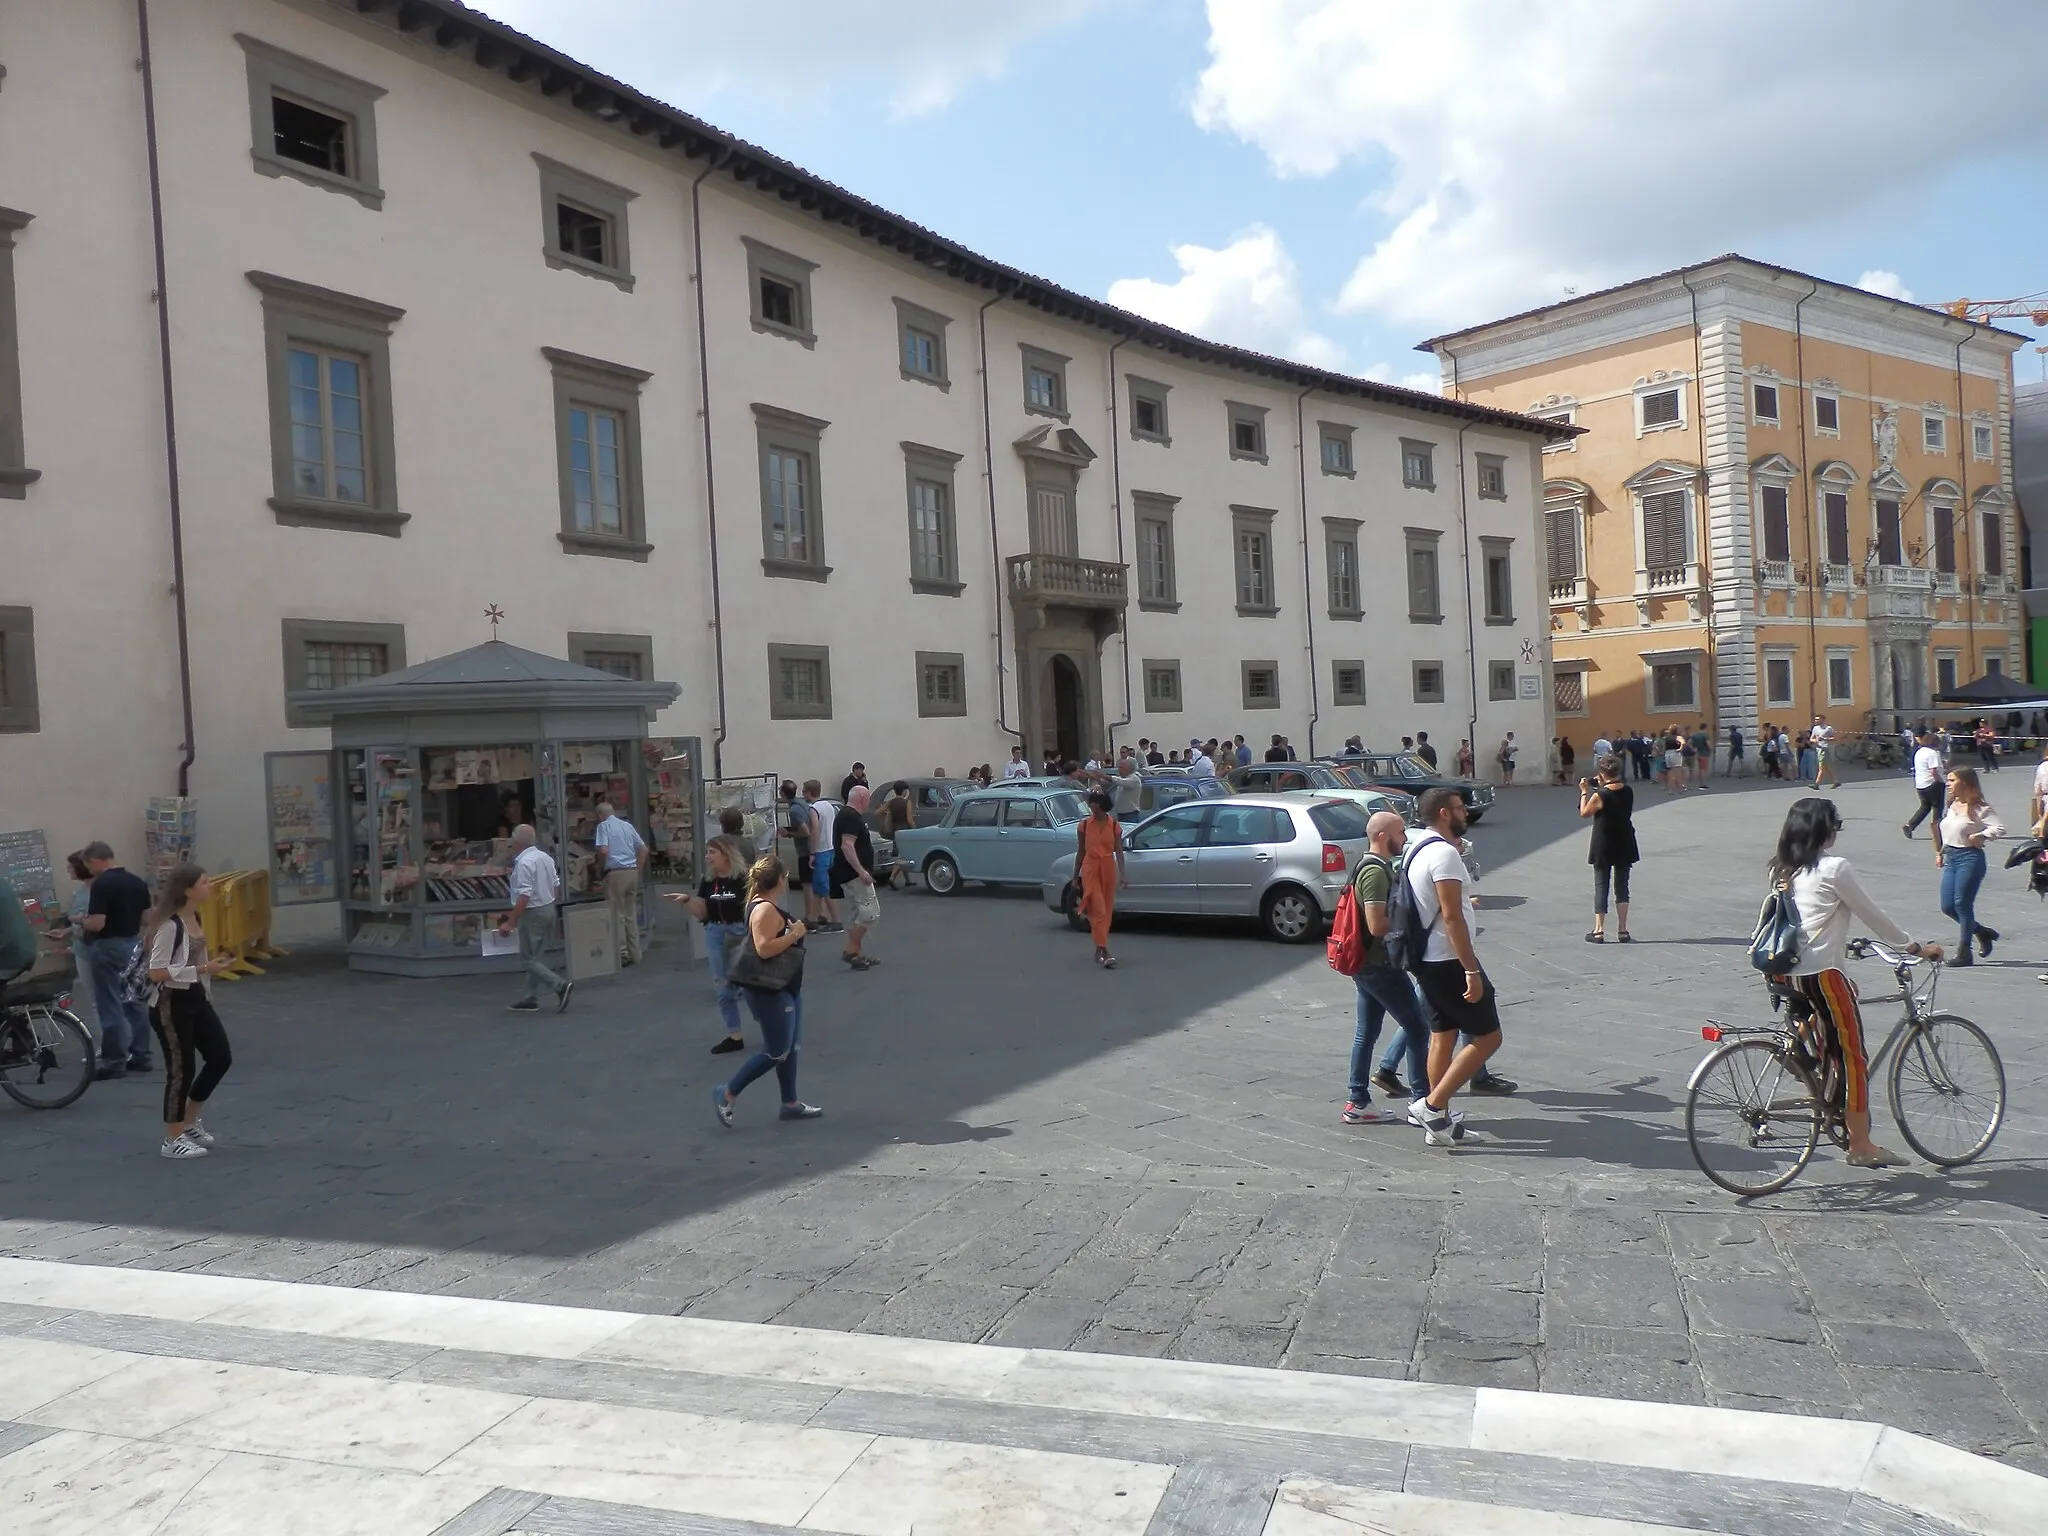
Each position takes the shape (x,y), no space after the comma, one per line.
(1611,804)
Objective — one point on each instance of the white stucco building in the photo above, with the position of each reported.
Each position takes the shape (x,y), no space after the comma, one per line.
(444,319)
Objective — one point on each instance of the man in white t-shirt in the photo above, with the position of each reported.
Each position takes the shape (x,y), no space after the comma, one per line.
(1199,766)
(1928,779)
(1126,786)
(534,889)
(1016,767)
(1823,737)
(1602,748)
(1452,984)
(2040,800)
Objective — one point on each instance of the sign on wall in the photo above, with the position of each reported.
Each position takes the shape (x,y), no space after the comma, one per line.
(1530,686)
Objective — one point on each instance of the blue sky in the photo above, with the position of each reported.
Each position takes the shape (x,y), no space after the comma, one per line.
(1336,179)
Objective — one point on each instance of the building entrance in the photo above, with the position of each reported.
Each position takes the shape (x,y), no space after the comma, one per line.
(1066,697)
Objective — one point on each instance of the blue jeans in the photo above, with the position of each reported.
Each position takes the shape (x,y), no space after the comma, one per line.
(1383,990)
(781,1017)
(1962,871)
(124,1026)
(719,939)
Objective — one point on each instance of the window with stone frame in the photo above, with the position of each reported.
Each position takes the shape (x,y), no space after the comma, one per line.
(1777,518)
(1891,548)
(1667,542)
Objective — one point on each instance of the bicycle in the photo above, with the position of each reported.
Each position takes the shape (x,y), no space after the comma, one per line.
(47,1056)
(1758,1103)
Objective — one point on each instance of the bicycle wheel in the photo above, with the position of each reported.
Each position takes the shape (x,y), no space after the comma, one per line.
(47,1057)
(1948,1090)
(1752,1117)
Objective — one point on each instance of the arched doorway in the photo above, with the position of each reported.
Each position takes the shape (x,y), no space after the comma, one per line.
(1067,700)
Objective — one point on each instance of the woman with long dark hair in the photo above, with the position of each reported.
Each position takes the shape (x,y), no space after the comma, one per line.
(1099,867)
(182,1013)
(1967,824)
(1825,889)
(769,931)
(1611,805)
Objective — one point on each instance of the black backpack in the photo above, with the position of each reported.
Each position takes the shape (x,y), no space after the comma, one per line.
(1774,946)
(1407,936)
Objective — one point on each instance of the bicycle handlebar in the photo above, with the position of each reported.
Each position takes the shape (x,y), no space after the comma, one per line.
(1864,949)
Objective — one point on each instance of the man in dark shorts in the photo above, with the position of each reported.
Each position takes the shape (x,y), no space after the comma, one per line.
(1459,999)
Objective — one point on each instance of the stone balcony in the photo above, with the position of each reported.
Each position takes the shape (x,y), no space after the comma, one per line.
(1067,580)
(1945,584)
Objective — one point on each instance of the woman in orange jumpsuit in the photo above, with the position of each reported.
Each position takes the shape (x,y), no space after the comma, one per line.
(1099,862)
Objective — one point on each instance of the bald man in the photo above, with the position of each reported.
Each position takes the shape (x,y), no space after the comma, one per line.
(1382,988)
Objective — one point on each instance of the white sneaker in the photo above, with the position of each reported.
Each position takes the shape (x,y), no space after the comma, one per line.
(1439,1128)
(181,1146)
(198,1132)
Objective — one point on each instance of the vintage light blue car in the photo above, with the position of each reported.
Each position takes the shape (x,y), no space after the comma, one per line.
(1009,835)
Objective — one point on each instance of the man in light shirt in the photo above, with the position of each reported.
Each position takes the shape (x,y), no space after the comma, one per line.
(1459,999)
(1927,779)
(1127,788)
(624,853)
(535,887)
(1823,737)
(1016,767)
(1199,765)
(2039,806)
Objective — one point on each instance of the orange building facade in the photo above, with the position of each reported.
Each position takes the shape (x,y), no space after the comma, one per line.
(1789,498)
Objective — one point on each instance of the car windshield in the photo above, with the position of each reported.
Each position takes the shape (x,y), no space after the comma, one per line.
(1351,776)
(1339,822)
(1399,765)
(1064,808)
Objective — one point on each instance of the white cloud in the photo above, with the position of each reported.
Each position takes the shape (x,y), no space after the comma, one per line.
(1247,294)
(1520,150)
(920,53)
(1887,282)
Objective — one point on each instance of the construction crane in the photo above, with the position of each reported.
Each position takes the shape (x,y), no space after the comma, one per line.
(2033,306)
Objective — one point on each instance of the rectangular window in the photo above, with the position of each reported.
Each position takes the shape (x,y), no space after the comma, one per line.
(1945,674)
(1994,664)
(1429,682)
(1493,477)
(1561,544)
(1500,680)
(1890,548)
(1247,431)
(1568,690)
(1660,408)
(1162,687)
(779,286)
(934,546)
(312,123)
(1253,538)
(1156,585)
(1347,682)
(1569,416)
(1764,403)
(1500,583)
(1934,432)
(1148,410)
(792,507)
(627,656)
(1340,540)
(1418,464)
(330,453)
(941,683)
(597,406)
(1983,439)
(1424,601)
(1993,543)
(1336,448)
(20,712)
(799,682)
(1671,685)
(324,654)
(1777,500)
(1945,540)
(1827,414)
(583,223)
(1045,383)
(1261,684)
(921,344)
(1835,512)
(1778,680)
(1666,545)
(1841,679)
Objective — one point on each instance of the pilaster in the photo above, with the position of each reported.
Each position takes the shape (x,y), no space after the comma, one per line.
(1729,528)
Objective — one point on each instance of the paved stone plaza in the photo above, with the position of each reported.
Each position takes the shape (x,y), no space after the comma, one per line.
(1022,1150)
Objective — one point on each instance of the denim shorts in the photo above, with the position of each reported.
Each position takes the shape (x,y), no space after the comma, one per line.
(821,876)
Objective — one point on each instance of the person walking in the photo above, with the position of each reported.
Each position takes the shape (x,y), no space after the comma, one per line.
(853,870)
(1808,759)
(1382,987)
(1967,823)
(824,855)
(114,914)
(1452,982)
(1099,869)
(1567,759)
(2037,804)
(624,852)
(1927,783)
(1424,750)
(796,826)
(1987,745)
(1827,893)
(1770,751)
(181,1011)
(720,905)
(1736,768)
(1702,744)
(536,885)
(1506,757)
(1674,764)
(1611,805)
(1823,736)
(779,1012)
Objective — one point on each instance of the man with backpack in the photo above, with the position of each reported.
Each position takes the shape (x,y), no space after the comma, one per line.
(1427,933)
(1382,987)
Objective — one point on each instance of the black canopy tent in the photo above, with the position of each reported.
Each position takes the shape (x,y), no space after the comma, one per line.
(1994,691)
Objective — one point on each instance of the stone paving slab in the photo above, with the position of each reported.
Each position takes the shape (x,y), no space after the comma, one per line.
(1022,1149)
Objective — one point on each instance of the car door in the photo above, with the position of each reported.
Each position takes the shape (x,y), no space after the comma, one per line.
(1026,842)
(1237,858)
(1160,861)
(973,837)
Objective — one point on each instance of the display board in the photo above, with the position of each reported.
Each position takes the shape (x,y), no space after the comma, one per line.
(25,866)
(303,863)
(753,798)
(669,765)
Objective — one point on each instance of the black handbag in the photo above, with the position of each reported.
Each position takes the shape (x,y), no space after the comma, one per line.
(778,973)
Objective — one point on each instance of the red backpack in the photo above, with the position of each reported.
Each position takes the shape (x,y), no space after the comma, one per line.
(1346,944)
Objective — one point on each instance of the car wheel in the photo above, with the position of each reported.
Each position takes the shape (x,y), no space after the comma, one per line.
(941,875)
(1291,915)
(1072,908)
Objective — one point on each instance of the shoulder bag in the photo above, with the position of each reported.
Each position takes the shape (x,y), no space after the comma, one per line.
(778,973)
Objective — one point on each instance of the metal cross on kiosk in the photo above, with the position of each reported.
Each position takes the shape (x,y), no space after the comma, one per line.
(495,614)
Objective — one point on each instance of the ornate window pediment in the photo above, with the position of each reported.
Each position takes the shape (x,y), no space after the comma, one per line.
(1664,474)
(1941,488)
(1836,474)
(1991,496)
(1889,482)
(1774,466)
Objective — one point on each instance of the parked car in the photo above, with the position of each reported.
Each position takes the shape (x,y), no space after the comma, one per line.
(1164,787)
(1408,773)
(1003,836)
(1371,800)
(1284,860)
(1331,778)
(930,798)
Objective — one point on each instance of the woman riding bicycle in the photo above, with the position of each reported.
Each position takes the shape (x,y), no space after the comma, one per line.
(1825,889)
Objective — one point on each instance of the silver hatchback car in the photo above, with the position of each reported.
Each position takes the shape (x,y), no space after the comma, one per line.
(1284,860)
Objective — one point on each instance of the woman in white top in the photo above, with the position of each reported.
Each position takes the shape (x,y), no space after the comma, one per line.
(1828,894)
(182,1013)
(1967,823)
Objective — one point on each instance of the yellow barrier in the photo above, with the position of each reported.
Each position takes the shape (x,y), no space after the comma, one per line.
(237,920)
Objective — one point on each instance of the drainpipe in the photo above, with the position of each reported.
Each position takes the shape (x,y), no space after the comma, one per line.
(1471,630)
(1116,480)
(1963,456)
(190,746)
(995,548)
(1308,606)
(718,158)
(1808,491)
